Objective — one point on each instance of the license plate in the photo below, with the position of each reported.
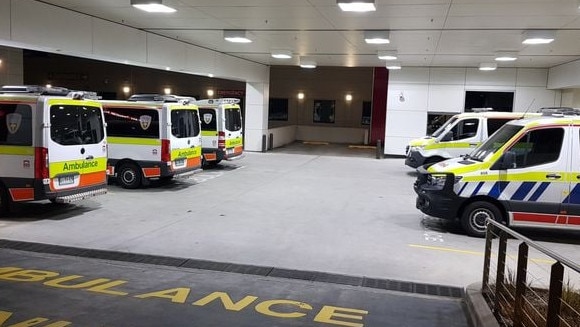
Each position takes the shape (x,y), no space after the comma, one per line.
(66,180)
(179,162)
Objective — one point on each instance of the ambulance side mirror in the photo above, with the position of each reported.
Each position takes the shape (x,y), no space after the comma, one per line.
(506,161)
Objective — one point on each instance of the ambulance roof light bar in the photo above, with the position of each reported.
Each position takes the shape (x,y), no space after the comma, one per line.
(481,109)
(559,111)
(34,89)
(216,102)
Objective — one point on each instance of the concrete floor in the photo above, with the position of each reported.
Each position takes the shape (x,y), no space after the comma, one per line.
(298,207)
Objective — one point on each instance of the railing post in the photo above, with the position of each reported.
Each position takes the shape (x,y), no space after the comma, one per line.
(555,295)
(487,257)
(520,283)
(499,280)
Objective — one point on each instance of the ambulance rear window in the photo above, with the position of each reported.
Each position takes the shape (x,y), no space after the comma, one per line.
(184,123)
(15,124)
(208,120)
(75,125)
(233,119)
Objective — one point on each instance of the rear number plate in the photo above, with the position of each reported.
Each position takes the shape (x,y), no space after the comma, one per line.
(66,180)
(179,162)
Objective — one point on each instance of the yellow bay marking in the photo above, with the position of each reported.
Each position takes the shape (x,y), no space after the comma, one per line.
(438,248)
(278,308)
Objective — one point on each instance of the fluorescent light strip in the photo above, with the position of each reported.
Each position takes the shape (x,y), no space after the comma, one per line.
(154,7)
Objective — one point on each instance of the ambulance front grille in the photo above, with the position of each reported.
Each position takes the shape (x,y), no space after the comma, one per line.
(80,196)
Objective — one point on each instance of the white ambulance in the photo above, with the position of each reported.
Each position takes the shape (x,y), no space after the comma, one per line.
(152,140)
(221,130)
(52,145)
(526,174)
(458,136)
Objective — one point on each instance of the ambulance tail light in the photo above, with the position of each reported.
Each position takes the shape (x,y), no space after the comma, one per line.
(221,140)
(41,163)
(165,151)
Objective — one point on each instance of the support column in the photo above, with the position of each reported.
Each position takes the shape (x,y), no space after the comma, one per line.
(11,67)
(256,120)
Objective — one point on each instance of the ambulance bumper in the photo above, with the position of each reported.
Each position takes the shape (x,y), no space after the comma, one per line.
(73,197)
(436,201)
(414,159)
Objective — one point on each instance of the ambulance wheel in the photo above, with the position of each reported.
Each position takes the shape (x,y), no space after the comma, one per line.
(129,176)
(4,205)
(475,216)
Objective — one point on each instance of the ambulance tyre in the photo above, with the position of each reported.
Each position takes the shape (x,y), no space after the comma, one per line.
(129,176)
(475,215)
(4,205)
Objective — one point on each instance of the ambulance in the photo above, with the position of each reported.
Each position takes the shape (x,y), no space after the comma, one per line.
(458,136)
(152,140)
(221,130)
(52,145)
(527,174)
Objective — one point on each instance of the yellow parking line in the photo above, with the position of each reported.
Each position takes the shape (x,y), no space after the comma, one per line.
(438,248)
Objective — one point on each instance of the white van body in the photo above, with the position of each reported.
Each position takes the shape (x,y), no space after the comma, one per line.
(221,128)
(51,146)
(458,136)
(526,174)
(152,140)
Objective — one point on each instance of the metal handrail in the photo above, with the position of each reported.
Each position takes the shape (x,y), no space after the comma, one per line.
(570,264)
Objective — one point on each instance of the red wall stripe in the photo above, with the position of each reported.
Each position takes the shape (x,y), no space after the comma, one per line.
(379,105)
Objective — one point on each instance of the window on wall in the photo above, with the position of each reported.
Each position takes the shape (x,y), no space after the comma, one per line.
(498,101)
(436,120)
(278,109)
(323,111)
(366,113)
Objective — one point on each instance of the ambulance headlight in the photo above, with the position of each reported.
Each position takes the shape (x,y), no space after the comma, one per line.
(437,181)
(415,148)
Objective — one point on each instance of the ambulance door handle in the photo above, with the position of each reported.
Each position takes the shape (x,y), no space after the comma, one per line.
(472,144)
(577,176)
(90,157)
(553,176)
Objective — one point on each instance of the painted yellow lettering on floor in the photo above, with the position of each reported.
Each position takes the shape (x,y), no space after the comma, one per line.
(328,312)
(176,295)
(226,301)
(5,315)
(266,308)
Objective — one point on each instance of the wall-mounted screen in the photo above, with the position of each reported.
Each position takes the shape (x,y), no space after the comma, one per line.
(498,101)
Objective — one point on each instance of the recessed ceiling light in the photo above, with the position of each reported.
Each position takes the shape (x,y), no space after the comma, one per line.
(538,37)
(282,54)
(377,37)
(394,65)
(357,5)
(236,36)
(506,56)
(155,6)
(387,54)
(487,66)
(305,63)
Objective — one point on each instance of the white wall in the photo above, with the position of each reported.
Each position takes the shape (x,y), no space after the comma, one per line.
(283,135)
(414,92)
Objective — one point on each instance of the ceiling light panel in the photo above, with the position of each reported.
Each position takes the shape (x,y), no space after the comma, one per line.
(236,36)
(377,37)
(153,6)
(357,5)
(282,54)
(538,37)
(387,55)
(487,66)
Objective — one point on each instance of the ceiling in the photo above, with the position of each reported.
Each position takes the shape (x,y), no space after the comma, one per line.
(448,33)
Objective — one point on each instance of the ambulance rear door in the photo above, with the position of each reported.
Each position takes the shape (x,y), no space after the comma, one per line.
(184,137)
(232,120)
(572,201)
(75,143)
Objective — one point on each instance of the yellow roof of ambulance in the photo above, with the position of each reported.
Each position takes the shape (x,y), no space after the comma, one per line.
(493,114)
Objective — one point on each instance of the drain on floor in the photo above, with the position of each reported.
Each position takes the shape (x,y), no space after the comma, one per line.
(385,284)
